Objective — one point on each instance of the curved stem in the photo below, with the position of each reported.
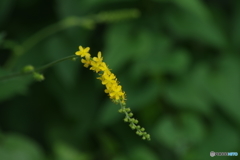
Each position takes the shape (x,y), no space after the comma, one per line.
(42,34)
(55,62)
(18,74)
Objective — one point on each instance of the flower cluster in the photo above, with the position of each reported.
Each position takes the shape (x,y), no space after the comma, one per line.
(113,89)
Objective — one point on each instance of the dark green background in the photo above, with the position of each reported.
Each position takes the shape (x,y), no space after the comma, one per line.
(178,62)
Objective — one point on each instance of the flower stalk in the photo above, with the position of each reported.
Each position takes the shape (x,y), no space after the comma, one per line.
(113,88)
(30,70)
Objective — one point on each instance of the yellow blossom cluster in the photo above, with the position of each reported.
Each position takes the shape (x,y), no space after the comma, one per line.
(108,79)
(113,89)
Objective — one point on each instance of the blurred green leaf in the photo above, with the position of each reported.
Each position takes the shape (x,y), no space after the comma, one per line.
(109,114)
(118,50)
(2,35)
(66,71)
(5,8)
(76,8)
(224,84)
(191,91)
(196,7)
(178,62)
(16,147)
(167,132)
(180,133)
(12,87)
(65,152)
(188,26)
(222,138)
(142,153)
(193,128)
(175,63)
(141,95)
(109,145)
(235,32)
(151,54)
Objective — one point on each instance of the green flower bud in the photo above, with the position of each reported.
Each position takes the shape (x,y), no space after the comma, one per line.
(27,69)
(148,137)
(128,109)
(135,121)
(140,133)
(130,114)
(38,76)
(74,59)
(132,126)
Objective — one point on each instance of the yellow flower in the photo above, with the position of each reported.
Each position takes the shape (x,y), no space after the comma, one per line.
(116,92)
(87,60)
(98,59)
(95,67)
(96,63)
(104,67)
(108,78)
(83,52)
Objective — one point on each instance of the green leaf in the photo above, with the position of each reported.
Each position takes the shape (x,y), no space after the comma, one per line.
(143,153)
(222,138)
(190,92)
(66,152)
(13,86)
(195,7)
(76,8)
(5,8)
(235,32)
(167,132)
(118,47)
(193,128)
(109,114)
(180,133)
(223,86)
(140,95)
(16,147)
(2,35)
(66,71)
(186,26)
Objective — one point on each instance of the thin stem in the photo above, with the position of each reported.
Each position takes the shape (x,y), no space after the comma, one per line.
(43,33)
(18,74)
(55,62)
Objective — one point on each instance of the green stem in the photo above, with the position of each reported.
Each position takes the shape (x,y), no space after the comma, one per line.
(42,34)
(18,74)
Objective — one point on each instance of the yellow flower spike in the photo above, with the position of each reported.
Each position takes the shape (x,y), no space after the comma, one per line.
(83,52)
(113,89)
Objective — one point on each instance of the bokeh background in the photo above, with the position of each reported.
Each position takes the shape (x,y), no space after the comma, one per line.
(177,60)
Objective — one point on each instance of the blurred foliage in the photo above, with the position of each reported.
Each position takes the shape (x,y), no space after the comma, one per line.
(178,62)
